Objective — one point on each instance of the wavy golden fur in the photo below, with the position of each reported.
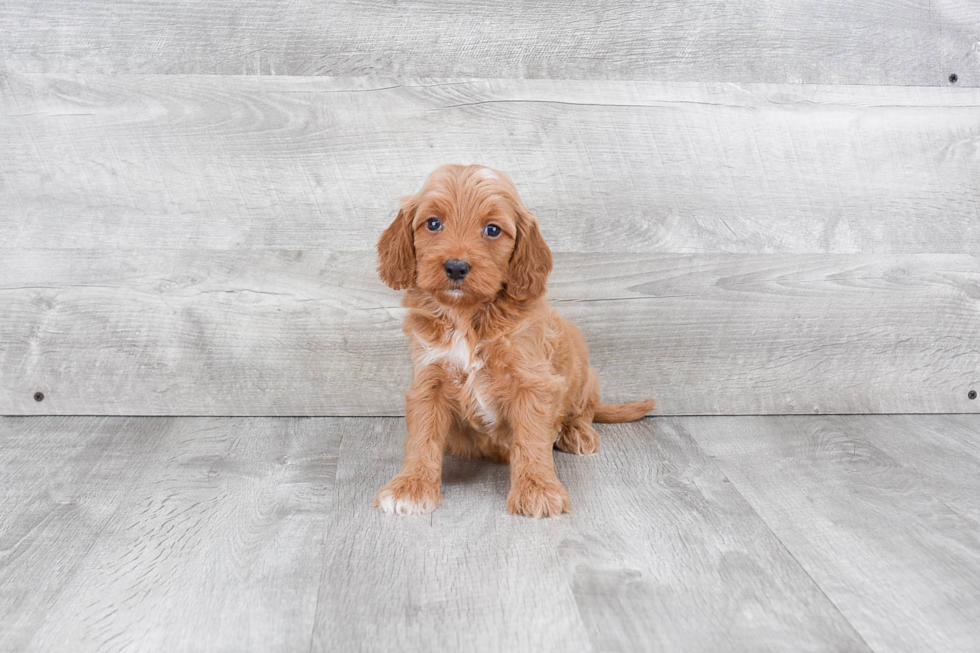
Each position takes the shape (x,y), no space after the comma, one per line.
(496,372)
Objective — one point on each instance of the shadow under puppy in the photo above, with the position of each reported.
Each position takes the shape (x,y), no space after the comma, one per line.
(496,372)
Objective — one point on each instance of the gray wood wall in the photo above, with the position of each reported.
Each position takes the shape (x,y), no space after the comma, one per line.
(764,209)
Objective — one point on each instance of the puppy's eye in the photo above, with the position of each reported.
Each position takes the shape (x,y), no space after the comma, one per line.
(491,230)
(433,224)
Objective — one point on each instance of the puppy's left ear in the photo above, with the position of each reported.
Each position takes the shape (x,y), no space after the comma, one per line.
(396,250)
(531,262)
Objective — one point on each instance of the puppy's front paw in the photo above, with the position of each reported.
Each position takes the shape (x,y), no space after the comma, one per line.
(408,495)
(537,497)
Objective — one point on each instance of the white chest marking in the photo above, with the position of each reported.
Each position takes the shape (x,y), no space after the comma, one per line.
(459,355)
(484,411)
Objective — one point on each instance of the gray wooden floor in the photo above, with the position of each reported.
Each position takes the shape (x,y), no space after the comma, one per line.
(687,533)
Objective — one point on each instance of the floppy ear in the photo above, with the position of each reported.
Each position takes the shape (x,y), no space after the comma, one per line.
(396,251)
(530,264)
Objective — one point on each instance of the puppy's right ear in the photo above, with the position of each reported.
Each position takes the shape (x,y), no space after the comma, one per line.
(396,250)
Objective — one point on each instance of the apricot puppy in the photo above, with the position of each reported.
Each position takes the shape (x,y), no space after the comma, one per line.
(496,372)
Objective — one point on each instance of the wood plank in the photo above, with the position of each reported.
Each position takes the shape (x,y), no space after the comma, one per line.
(876,535)
(658,553)
(468,577)
(191,332)
(878,42)
(63,482)
(165,161)
(172,534)
(200,333)
(217,545)
(943,450)
(667,556)
(959,18)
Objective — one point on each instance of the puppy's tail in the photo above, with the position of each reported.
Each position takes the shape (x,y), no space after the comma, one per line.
(614,413)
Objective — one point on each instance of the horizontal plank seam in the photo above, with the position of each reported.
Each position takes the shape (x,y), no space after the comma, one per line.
(448,81)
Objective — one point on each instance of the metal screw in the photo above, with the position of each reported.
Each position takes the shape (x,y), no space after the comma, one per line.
(972,394)
(953,78)
(38,396)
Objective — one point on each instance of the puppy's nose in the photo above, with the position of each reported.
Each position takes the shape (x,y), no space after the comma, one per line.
(456,269)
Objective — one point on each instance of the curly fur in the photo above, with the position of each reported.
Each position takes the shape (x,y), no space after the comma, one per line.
(496,372)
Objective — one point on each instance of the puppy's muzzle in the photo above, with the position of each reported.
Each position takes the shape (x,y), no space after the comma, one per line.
(456,269)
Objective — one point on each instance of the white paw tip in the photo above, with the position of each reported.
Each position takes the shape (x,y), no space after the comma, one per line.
(391,506)
(386,503)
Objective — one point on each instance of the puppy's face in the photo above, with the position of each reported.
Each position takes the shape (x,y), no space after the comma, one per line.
(465,229)
(464,238)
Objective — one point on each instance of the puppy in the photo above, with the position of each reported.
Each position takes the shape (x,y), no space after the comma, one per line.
(496,372)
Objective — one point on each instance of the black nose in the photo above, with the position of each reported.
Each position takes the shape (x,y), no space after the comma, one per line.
(456,269)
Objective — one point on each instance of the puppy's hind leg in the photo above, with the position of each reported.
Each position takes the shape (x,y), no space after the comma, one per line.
(578,436)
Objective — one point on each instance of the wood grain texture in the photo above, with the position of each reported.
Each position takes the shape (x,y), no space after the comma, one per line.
(878,42)
(658,554)
(961,19)
(210,533)
(189,332)
(135,534)
(664,555)
(468,577)
(226,162)
(63,482)
(875,532)
(944,452)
